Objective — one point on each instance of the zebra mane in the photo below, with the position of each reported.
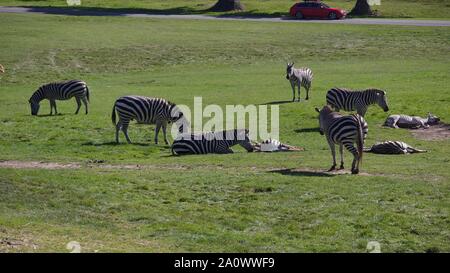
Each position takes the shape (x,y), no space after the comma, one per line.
(375,90)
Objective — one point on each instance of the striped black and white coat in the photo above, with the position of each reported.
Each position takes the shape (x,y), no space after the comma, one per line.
(411,122)
(146,110)
(392,147)
(299,77)
(348,100)
(212,142)
(344,131)
(60,91)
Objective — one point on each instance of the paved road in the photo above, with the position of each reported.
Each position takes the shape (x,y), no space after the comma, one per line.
(86,12)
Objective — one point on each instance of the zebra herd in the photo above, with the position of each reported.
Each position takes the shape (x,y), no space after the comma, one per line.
(342,130)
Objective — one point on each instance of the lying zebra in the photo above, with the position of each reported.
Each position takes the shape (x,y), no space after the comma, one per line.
(2,69)
(299,77)
(392,147)
(349,100)
(60,91)
(343,130)
(273,145)
(411,122)
(211,143)
(147,111)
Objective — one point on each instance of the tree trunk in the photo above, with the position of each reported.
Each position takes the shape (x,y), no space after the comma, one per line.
(361,8)
(227,5)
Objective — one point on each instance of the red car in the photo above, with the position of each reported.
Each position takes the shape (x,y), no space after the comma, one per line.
(316,9)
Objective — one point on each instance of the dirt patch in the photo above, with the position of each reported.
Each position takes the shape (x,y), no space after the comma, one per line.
(37,165)
(435,132)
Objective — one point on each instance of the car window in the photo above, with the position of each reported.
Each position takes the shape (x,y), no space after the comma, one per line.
(301,5)
(325,6)
(315,5)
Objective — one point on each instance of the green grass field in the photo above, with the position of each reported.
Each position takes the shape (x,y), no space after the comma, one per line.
(387,8)
(244,202)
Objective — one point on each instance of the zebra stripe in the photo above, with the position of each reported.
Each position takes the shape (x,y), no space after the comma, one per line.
(60,91)
(349,100)
(147,111)
(299,77)
(211,143)
(344,131)
(392,147)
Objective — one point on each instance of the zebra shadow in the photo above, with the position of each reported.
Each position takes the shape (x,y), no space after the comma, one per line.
(113,143)
(306,173)
(307,130)
(277,102)
(49,116)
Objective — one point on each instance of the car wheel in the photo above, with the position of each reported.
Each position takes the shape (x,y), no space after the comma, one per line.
(299,15)
(332,16)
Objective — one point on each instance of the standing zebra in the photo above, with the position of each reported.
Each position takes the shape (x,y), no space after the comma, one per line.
(300,77)
(343,130)
(60,91)
(148,111)
(212,142)
(349,100)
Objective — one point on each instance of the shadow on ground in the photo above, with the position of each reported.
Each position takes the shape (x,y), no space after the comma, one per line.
(96,11)
(307,130)
(307,173)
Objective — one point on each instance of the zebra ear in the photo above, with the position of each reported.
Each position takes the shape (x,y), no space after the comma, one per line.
(317,110)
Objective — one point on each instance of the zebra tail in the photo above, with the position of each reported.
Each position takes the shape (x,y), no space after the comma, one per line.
(113,115)
(87,93)
(360,140)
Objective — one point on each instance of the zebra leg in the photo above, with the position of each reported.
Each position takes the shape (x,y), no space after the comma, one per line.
(85,104)
(298,91)
(118,126)
(125,131)
(54,106)
(355,164)
(164,127)
(78,105)
(293,91)
(333,153)
(341,151)
(307,93)
(51,107)
(158,127)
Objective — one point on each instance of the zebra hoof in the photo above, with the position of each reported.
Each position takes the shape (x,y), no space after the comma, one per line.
(356,171)
(332,168)
(341,167)
(306,98)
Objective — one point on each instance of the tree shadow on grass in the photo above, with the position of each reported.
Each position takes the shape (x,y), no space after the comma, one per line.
(306,173)
(97,11)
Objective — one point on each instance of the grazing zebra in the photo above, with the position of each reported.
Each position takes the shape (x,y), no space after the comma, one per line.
(147,111)
(356,100)
(212,142)
(392,147)
(60,91)
(300,77)
(411,122)
(343,130)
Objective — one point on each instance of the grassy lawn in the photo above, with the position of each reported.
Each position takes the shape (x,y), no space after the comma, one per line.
(240,202)
(388,8)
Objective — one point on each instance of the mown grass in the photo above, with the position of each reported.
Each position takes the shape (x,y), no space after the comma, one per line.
(389,9)
(240,202)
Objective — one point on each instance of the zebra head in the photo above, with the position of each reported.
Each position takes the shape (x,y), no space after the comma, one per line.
(432,119)
(382,99)
(176,116)
(326,110)
(243,139)
(34,107)
(289,70)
